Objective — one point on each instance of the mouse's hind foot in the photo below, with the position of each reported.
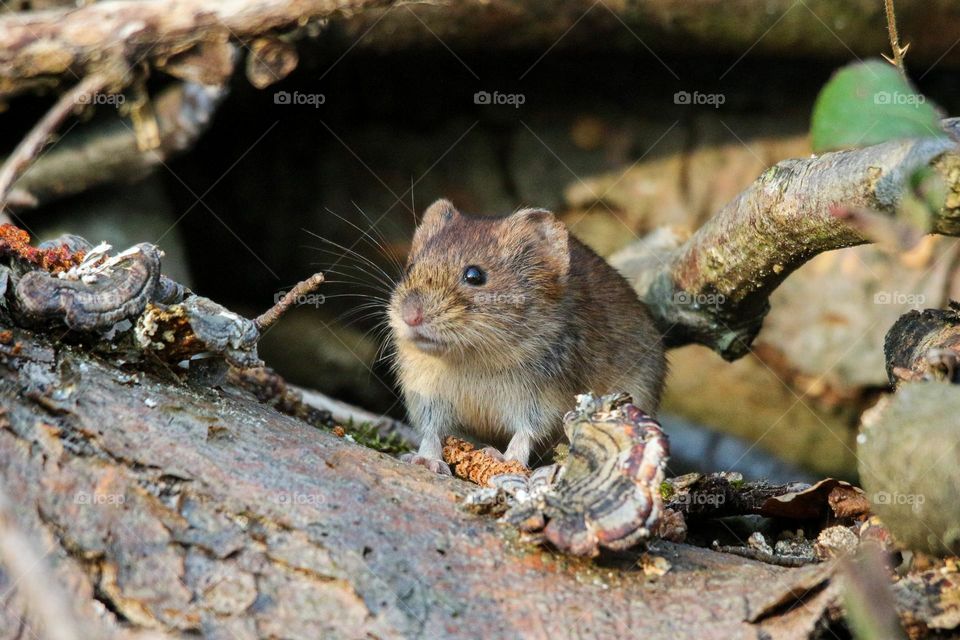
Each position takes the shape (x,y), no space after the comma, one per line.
(437,466)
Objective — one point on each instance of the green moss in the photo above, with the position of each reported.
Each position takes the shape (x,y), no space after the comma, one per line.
(666,490)
(366,434)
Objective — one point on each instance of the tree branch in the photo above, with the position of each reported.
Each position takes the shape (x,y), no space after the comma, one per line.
(43,46)
(93,155)
(714,289)
(39,136)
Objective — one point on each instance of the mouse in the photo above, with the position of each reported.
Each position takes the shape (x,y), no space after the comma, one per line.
(498,323)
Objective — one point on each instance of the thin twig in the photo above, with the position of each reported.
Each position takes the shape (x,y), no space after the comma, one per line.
(271,315)
(764,556)
(38,137)
(898,52)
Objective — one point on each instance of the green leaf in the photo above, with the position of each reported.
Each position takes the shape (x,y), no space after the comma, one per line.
(868,103)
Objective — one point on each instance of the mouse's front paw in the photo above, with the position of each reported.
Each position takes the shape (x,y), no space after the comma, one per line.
(437,466)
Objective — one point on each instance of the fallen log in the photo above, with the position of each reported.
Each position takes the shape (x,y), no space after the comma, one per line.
(188,509)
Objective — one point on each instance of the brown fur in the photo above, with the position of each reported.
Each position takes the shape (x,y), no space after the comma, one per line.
(553,320)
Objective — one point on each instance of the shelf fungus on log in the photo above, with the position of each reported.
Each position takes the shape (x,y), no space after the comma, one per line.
(96,294)
(123,300)
(605,493)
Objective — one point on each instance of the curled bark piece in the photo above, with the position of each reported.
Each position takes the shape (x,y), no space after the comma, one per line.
(828,498)
(96,294)
(924,345)
(607,490)
(197,326)
(475,465)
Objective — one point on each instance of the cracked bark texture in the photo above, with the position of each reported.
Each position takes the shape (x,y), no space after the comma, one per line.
(181,510)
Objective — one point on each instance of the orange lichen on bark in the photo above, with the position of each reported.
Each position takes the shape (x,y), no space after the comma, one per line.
(15,241)
(475,465)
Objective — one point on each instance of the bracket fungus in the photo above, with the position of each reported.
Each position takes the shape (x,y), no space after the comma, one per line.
(85,288)
(95,294)
(605,493)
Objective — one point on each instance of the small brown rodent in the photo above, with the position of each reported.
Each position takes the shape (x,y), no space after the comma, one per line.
(499,322)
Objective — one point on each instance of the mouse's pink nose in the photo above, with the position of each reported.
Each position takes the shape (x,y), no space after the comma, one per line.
(412,311)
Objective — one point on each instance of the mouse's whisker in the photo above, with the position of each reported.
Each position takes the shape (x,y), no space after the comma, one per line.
(340,265)
(383,240)
(352,252)
(379,243)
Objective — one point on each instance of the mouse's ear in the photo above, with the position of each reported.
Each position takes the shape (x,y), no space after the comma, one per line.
(434,218)
(551,235)
(438,214)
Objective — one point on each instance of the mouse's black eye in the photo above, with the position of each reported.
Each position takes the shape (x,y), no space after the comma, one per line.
(474,276)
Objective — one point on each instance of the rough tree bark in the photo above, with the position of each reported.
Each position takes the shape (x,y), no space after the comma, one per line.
(180,508)
(162,506)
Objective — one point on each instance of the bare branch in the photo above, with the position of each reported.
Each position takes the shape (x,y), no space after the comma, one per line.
(714,289)
(107,152)
(26,152)
(898,51)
